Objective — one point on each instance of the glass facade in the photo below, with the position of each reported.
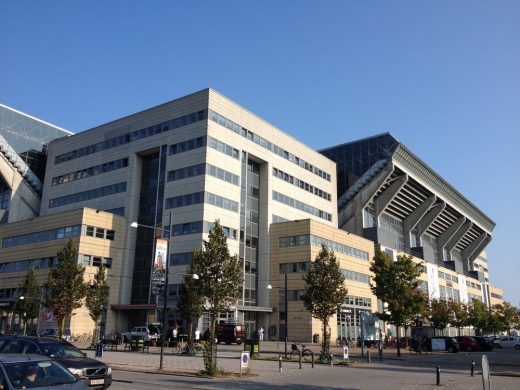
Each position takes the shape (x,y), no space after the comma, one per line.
(28,137)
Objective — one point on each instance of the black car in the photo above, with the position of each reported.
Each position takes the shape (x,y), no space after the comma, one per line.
(36,372)
(92,372)
(484,343)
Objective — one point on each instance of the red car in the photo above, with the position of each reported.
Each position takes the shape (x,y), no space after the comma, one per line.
(467,343)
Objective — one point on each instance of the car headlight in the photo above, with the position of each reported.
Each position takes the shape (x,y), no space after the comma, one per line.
(109,371)
(76,371)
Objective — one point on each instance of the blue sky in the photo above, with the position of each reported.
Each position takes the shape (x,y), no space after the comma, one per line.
(442,76)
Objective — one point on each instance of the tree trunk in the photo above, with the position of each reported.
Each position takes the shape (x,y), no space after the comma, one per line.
(209,358)
(398,341)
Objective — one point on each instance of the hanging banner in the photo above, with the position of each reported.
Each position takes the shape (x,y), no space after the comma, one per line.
(433,281)
(463,289)
(159,265)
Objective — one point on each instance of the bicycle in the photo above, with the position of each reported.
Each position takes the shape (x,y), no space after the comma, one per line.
(299,349)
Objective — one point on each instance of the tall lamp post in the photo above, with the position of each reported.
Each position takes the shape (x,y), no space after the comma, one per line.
(165,287)
(39,310)
(269,287)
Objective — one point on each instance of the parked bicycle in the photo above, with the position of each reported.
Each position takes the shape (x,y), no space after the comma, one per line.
(299,349)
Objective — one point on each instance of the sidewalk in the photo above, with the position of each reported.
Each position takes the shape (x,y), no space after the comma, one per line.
(228,359)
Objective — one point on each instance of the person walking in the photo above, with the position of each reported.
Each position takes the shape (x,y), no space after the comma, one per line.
(261,334)
(197,335)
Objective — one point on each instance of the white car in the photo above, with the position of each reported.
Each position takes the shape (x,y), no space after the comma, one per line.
(150,332)
(508,342)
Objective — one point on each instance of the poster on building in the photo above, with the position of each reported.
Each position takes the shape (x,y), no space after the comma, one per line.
(463,289)
(159,265)
(433,281)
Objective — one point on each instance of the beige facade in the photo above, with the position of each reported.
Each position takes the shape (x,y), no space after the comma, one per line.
(100,239)
(299,242)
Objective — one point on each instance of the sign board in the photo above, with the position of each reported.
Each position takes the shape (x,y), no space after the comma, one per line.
(244,360)
(438,344)
(486,384)
(345,353)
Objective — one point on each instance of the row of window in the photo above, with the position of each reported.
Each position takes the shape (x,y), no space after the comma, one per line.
(473,296)
(473,285)
(287,200)
(278,219)
(132,136)
(96,261)
(497,296)
(223,148)
(83,196)
(448,277)
(181,258)
(223,121)
(98,232)
(195,227)
(358,301)
(307,239)
(449,293)
(355,276)
(92,171)
(187,145)
(296,267)
(24,265)
(8,293)
(201,197)
(201,169)
(301,184)
(46,235)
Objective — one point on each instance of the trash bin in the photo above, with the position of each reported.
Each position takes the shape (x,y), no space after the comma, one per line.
(316,338)
(136,343)
(253,347)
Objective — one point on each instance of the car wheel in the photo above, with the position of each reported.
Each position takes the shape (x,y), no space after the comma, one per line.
(517,346)
(450,349)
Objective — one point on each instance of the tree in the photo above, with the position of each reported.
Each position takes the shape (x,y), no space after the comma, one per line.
(459,315)
(395,283)
(29,306)
(66,285)
(439,314)
(503,317)
(191,302)
(221,279)
(478,316)
(324,291)
(97,298)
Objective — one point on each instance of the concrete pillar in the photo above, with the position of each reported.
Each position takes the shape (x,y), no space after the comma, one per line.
(413,219)
(384,199)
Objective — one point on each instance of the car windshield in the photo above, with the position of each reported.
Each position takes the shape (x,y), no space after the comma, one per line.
(60,350)
(31,374)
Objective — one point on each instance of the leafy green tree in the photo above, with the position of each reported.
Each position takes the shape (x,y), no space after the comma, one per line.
(221,279)
(29,307)
(324,291)
(97,298)
(503,317)
(395,283)
(459,314)
(439,314)
(66,285)
(191,302)
(478,316)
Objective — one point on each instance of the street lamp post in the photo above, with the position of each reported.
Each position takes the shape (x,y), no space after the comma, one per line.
(286,327)
(165,286)
(25,316)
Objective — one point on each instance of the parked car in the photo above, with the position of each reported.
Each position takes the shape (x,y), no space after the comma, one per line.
(467,343)
(148,332)
(484,343)
(92,372)
(443,343)
(508,342)
(36,372)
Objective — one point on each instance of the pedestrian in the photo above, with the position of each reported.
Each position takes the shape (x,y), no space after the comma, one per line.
(175,333)
(261,334)
(197,335)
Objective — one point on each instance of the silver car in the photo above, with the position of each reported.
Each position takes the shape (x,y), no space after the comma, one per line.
(36,372)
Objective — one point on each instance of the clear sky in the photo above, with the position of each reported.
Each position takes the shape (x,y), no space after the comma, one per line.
(442,76)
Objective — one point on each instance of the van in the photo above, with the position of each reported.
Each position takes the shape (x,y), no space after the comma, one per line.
(230,333)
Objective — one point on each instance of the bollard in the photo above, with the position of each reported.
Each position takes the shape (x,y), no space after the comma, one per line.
(312,359)
(331,360)
(380,354)
(280,363)
(368,356)
(438,375)
(472,367)
(300,359)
